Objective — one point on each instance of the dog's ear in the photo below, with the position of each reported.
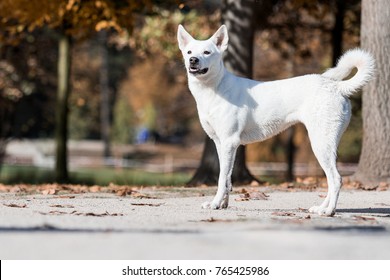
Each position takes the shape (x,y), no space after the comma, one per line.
(183,37)
(220,38)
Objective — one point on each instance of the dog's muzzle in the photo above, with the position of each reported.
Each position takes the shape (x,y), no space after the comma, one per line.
(195,67)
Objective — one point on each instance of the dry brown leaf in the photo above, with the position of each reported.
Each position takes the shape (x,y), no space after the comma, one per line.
(287,185)
(96,214)
(61,206)
(3,188)
(121,193)
(141,195)
(254,183)
(364,218)
(16,189)
(251,194)
(283,214)
(147,204)
(54,212)
(95,189)
(212,220)
(241,198)
(49,191)
(15,205)
(369,187)
(66,196)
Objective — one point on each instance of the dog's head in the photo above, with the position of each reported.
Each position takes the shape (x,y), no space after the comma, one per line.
(202,57)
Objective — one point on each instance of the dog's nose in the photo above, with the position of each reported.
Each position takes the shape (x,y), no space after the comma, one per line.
(194,60)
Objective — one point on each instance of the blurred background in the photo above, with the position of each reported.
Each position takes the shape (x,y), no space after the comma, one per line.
(95,91)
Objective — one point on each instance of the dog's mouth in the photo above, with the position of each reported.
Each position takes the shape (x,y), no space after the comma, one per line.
(197,71)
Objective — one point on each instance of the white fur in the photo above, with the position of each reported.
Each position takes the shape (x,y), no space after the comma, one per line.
(236,111)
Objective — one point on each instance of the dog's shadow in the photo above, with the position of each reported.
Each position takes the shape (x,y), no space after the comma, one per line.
(365,210)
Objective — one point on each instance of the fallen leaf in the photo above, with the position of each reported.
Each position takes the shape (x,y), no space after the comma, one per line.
(141,195)
(3,188)
(61,206)
(121,193)
(254,183)
(147,204)
(16,205)
(283,214)
(369,187)
(97,214)
(212,220)
(287,185)
(95,189)
(258,196)
(251,194)
(49,191)
(54,212)
(16,189)
(66,196)
(364,218)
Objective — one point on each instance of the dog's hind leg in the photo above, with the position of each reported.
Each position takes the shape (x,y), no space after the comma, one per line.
(226,154)
(324,146)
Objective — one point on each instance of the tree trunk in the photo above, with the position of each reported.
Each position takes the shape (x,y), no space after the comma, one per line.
(104,95)
(239,17)
(337,32)
(374,163)
(63,90)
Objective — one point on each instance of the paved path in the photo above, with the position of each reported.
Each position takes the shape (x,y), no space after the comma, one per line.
(173,226)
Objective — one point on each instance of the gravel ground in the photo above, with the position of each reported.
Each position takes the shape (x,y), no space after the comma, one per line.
(173,226)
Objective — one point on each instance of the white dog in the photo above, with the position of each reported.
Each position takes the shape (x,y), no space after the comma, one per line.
(236,111)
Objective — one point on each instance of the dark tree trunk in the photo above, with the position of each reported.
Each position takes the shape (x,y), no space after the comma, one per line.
(104,95)
(6,116)
(208,170)
(290,153)
(239,17)
(63,90)
(337,32)
(374,163)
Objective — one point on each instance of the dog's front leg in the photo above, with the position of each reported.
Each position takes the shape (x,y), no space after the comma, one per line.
(226,154)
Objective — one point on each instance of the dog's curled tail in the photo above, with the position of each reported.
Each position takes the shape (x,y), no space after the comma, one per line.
(356,58)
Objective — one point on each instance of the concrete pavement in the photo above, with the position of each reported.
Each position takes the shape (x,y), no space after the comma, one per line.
(173,226)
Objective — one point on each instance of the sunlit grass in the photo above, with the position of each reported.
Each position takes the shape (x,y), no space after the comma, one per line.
(97,176)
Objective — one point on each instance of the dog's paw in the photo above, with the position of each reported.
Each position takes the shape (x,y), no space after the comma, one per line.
(210,205)
(322,211)
(215,204)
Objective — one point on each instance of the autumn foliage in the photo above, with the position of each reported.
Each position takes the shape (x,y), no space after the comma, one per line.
(75,17)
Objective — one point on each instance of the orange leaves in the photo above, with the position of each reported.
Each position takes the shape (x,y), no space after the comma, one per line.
(61,190)
(74,17)
(70,4)
(104,24)
(251,194)
(49,191)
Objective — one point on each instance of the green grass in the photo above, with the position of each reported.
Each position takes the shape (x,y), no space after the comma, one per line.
(98,176)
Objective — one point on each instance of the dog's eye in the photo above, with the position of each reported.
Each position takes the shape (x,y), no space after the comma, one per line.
(206,52)
(189,52)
